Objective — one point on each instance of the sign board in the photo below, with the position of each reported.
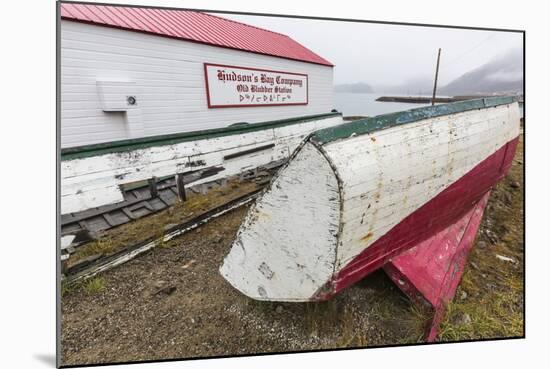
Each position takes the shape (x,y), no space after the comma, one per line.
(230,86)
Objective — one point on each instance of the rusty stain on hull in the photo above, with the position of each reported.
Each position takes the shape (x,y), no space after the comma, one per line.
(367,237)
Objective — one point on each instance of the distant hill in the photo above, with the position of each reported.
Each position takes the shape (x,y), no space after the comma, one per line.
(502,74)
(422,85)
(359,87)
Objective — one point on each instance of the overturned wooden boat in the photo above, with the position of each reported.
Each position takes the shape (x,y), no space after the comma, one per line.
(354,197)
(98,175)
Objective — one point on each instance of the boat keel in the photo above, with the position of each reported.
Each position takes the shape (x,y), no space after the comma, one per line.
(430,272)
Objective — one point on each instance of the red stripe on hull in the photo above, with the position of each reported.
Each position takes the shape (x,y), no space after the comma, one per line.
(437,214)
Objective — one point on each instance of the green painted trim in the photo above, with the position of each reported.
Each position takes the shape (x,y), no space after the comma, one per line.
(80,152)
(369,125)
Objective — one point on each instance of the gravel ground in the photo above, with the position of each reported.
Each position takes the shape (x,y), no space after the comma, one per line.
(172,302)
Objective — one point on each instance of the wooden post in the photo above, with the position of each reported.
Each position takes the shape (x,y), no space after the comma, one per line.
(180,185)
(436,73)
(153,187)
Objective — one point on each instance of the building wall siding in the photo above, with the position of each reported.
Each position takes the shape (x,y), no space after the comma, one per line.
(168,80)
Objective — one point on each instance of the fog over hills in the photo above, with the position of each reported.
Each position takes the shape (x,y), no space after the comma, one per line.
(359,87)
(504,73)
(417,86)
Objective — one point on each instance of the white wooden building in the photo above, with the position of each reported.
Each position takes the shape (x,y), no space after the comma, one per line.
(133,72)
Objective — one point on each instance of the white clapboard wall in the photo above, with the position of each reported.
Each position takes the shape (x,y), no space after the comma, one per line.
(315,216)
(95,180)
(167,77)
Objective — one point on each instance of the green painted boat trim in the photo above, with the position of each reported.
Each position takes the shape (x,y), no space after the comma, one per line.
(85,151)
(369,125)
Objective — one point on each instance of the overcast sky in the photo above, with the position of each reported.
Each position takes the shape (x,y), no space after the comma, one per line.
(391,54)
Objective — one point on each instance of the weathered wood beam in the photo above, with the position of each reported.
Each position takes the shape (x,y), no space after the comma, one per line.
(180,185)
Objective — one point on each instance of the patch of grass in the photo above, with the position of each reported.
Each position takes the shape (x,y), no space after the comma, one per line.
(320,317)
(351,334)
(487,312)
(418,322)
(66,288)
(490,320)
(94,285)
(409,319)
(494,306)
(90,286)
(199,202)
(154,225)
(102,246)
(161,242)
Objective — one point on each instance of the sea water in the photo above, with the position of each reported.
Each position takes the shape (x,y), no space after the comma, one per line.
(365,104)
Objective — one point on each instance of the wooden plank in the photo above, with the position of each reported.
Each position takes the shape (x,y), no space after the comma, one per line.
(153,187)
(249,151)
(180,185)
(128,213)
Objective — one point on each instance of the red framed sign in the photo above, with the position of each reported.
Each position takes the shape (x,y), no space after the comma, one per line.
(229,86)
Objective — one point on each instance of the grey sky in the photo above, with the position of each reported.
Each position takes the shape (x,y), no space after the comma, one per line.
(391,54)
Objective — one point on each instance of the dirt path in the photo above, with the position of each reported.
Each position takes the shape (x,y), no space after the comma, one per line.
(172,303)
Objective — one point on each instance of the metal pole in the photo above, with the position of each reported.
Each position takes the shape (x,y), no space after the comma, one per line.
(436,73)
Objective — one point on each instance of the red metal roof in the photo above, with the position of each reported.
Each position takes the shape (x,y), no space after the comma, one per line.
(192,26)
